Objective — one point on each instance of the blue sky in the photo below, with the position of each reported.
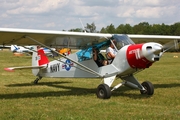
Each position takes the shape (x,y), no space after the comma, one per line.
(65,14)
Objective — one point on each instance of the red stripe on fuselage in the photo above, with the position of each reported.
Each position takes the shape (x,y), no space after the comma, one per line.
(135,57)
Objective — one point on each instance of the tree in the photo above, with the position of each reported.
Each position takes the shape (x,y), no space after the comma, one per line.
(175,29)
(142,28)
(156,29)
(124,29)
(91,28)
(103,30)
(76,30)
(165,29)
(110,29)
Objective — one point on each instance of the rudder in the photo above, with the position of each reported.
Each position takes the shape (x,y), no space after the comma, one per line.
(38,59)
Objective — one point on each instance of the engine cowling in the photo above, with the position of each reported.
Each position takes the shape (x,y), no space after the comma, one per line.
(143,55)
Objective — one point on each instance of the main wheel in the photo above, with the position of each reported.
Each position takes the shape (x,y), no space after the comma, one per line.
(149,88)
(103,91)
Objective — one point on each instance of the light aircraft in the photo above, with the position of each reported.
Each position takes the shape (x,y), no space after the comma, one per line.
(65,51)
(130,59)
(29,50)
(21,49)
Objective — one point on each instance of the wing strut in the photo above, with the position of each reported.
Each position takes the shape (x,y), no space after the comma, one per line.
(88,69)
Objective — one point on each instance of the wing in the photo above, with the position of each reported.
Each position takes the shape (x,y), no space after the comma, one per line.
(10,36)
(153,38)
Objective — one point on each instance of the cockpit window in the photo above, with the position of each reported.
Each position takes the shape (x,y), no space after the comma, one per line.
(122,40)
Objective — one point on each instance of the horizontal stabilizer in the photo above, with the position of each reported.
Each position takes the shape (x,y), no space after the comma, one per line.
(11,69)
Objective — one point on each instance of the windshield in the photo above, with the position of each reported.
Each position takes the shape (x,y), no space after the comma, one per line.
(122,40)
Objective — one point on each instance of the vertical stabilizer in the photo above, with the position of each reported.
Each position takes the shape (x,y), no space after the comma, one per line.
(14,48)
(38,58)
(42,57)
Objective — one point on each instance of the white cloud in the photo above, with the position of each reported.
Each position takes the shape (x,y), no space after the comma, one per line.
(149,12)
(144,3)
(4,15)
(33,6)
(127,13)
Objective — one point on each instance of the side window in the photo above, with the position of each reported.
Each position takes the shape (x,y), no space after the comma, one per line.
(85,54)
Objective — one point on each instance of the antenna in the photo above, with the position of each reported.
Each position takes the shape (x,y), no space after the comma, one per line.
(82,25)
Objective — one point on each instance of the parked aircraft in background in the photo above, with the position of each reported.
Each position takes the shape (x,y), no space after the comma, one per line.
(130,58)
(29,50)
(21,49)
(65,51)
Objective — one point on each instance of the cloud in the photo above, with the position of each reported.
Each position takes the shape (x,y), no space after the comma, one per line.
(143,2)
(32,6)
(149,12)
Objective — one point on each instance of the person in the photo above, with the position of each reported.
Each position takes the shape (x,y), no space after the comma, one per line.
(99,58)
(111,52)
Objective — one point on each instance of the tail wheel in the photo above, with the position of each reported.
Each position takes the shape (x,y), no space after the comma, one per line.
(36,81)
(149,88)
(103,91)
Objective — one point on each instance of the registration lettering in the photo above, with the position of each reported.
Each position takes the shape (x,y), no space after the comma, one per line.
(137,53)
(55,68)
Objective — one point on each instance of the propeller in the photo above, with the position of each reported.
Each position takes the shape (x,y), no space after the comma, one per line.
(153,51)
(170,45)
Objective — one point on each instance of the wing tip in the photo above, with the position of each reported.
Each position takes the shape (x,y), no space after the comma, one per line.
(9,69)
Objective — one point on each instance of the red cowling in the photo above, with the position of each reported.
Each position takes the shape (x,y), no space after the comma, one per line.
(135,57)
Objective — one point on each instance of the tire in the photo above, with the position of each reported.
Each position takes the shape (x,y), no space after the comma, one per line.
(149,88)
(103,91)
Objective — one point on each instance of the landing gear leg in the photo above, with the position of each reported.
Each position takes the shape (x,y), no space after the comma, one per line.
(149,88)
(37,79)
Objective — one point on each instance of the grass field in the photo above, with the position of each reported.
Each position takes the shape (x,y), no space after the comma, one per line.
(75,99)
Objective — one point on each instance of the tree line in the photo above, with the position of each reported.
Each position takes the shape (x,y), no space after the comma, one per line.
(143,28)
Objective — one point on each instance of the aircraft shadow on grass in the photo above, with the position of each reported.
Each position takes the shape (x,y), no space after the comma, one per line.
(78,91)
(65,90)
(171,85)
(123,92)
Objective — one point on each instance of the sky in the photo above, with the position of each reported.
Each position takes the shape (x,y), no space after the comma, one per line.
(68,14)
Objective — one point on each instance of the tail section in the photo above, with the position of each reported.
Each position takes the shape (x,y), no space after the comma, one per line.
(39,58)
(43,58)
(14,48)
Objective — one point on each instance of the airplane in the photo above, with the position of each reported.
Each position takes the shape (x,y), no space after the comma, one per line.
(29,50)
(65,51)
(130,59)
(21,49)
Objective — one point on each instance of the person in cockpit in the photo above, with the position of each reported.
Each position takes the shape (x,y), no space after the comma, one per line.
(111,52)
(99,58)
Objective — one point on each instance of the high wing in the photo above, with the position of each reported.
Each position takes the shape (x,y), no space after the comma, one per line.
(10,36)
(78,40)
(153,38)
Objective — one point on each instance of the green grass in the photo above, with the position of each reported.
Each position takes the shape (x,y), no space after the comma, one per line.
(75,99)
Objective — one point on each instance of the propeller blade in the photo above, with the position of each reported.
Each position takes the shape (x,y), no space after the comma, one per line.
(170,45)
